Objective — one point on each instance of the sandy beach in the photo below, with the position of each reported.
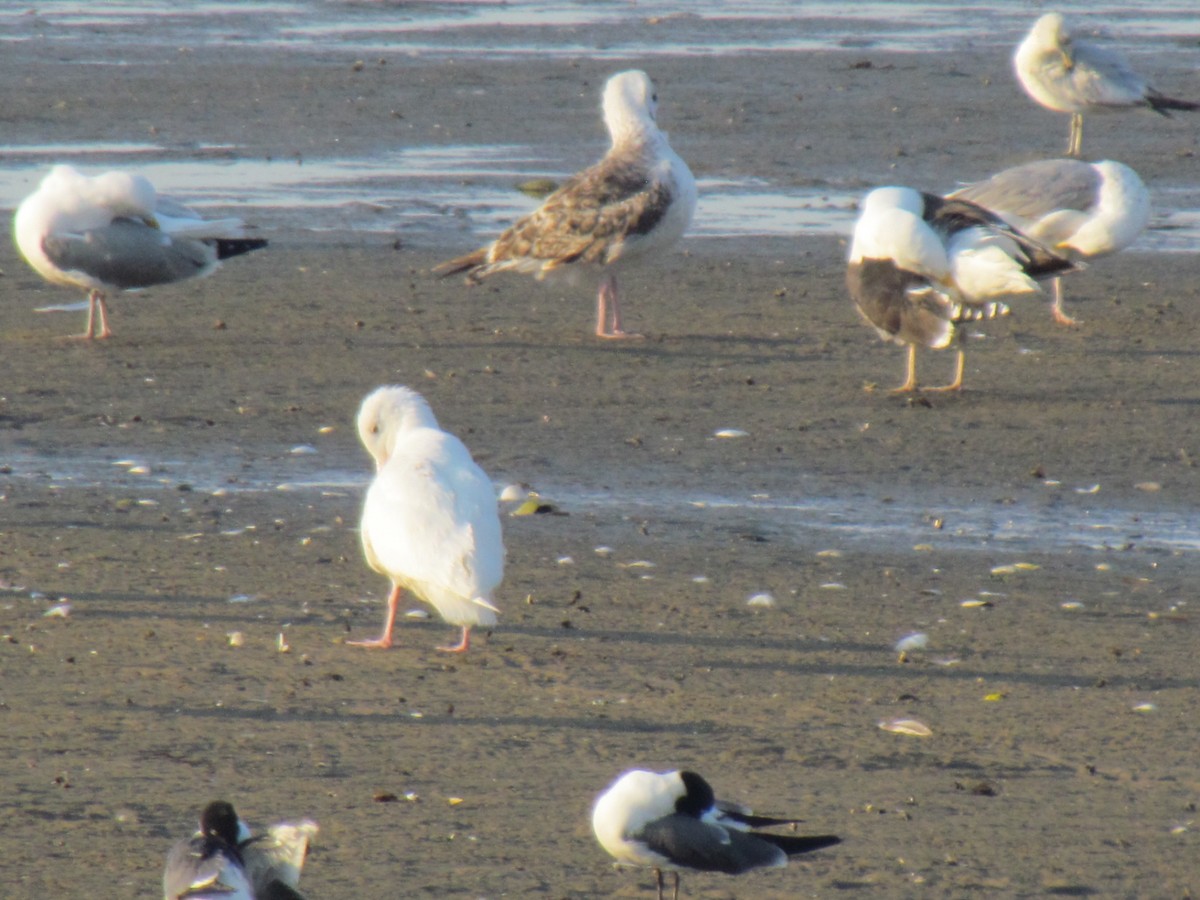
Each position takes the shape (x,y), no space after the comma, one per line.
(1058,681)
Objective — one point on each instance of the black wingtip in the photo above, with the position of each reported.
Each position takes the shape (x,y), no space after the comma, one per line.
(1160,104)
(794,845)
(228,247)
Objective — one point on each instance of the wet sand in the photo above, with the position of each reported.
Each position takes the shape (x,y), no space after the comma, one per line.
(1040,777)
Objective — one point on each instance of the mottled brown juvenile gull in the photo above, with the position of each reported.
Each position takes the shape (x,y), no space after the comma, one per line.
(1069,75)
(1082,210)
(636,201)
(673,821)
(114,233)
(922,265)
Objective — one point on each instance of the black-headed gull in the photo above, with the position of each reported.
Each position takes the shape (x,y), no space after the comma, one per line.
(673,821)
(225,861)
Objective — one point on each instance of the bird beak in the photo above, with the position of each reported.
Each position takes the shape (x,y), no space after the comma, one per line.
(1067,60)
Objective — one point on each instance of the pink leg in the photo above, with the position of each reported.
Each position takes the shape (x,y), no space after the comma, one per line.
(608,305)
(1057,309)
(462,646)
(384,640)
(95,302)
(102,304)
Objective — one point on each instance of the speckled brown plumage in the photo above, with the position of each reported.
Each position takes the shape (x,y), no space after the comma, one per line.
(640,197)
(588,219)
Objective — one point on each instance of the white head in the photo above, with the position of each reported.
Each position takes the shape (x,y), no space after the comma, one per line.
(385,415)
(125,193)
(1050,32)
(887,230)
(631,802)
(630,104)
(904,198)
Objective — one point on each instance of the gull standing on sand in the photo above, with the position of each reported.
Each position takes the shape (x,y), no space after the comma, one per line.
(921,265)
(430,522)
(112,232)
(1083,210)
(673,821)
(1068,75)
(225,861)
(636,201)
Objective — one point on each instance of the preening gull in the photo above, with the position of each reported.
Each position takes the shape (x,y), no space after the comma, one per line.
(1083,210)
(636,201)
(209,866)
(112,232)
(673,821)
(922,265)
(1069,75)
(225,861)
(430,522)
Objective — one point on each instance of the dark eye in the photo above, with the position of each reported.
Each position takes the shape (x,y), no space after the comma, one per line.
(374,429)
(654,98)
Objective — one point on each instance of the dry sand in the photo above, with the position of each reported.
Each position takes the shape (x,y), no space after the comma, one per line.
(123,719)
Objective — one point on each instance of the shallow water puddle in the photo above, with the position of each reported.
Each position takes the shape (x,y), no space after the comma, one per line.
(892,522)
(469,187)
(550,28)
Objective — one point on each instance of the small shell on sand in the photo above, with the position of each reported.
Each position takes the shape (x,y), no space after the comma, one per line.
(906,726)
(918,640)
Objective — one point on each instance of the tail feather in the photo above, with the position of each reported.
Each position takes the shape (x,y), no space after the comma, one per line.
(466,264)
(480,601)
(961,312)
(1045,263)
(227,247)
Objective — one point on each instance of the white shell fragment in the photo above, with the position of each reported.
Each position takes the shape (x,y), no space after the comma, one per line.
(303,450)
(1071,604)
(416,614)
(918,640)
(58,610)
(731,433)
(236,638)
(762,599)
(906,726)
(975,604)
(514,493)
(1145,708)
